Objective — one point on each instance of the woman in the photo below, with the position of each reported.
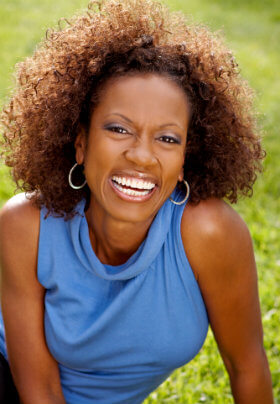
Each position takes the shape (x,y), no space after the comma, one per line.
(126,131)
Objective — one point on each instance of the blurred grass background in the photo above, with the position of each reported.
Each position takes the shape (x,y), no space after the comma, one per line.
(252,31)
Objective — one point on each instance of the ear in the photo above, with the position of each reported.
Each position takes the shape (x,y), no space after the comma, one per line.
(80,146)
(181,175)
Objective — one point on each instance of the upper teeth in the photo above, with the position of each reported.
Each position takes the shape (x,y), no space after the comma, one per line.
(133,182)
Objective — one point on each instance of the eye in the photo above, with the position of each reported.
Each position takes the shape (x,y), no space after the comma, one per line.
(116,129)
(169,139)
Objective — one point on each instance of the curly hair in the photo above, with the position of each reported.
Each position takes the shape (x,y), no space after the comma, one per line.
(58,87)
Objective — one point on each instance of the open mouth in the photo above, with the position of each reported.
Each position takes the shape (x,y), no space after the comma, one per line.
(133,188)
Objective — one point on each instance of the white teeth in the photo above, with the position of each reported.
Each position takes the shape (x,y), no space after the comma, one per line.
(130,191)
(134,183)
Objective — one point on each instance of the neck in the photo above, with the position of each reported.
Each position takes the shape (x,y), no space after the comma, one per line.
(114,241)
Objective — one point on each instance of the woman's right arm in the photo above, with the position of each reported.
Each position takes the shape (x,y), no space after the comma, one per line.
(34,370)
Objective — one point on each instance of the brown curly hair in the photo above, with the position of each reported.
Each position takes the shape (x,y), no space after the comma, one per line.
(58,87)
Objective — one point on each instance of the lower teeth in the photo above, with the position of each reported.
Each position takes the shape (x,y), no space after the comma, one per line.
(131,191)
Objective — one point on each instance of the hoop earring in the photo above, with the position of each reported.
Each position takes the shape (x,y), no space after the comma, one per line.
(186,197)
(70,179)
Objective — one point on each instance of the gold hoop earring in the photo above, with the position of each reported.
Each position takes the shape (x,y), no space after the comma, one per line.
(70,179)
(186,197)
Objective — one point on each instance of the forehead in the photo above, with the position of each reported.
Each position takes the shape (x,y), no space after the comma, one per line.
(144,98)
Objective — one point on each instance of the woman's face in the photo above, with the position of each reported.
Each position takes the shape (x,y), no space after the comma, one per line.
(134,152)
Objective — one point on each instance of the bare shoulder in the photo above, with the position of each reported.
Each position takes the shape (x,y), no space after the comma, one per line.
(19,214)
(212,218)
(19,228)
(214,236)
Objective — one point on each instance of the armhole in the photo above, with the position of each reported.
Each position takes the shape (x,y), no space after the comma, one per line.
(179,242)
(42,248)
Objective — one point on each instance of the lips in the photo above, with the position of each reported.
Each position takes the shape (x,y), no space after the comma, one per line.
(133,188)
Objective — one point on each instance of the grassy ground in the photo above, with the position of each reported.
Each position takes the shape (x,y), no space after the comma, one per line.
(252,30)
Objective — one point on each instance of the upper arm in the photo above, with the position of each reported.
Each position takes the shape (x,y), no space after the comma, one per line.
(22,298)
(220,251)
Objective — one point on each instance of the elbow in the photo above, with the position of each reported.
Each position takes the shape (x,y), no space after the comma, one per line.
(253,361)
(250,379)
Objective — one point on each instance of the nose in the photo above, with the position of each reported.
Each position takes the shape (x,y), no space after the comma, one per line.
(141,154)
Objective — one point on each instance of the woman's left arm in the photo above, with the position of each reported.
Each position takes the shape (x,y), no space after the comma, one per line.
(219,249)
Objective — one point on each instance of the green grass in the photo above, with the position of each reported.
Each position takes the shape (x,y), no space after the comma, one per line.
(252,30)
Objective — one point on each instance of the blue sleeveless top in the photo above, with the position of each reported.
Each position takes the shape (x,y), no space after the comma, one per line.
(117,332)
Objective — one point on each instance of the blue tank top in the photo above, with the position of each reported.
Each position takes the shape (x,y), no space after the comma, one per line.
(117,332)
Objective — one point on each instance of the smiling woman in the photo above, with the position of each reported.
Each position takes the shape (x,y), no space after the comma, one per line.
(126,130)
(136,139)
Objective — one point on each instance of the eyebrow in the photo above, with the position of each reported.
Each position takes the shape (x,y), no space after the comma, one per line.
(130,121)
(121,115)
(171,124)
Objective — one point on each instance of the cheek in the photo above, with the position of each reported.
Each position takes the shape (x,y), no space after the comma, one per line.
(100,158)
(172,164)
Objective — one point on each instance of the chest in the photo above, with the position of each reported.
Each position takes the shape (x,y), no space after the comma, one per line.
(156,320)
